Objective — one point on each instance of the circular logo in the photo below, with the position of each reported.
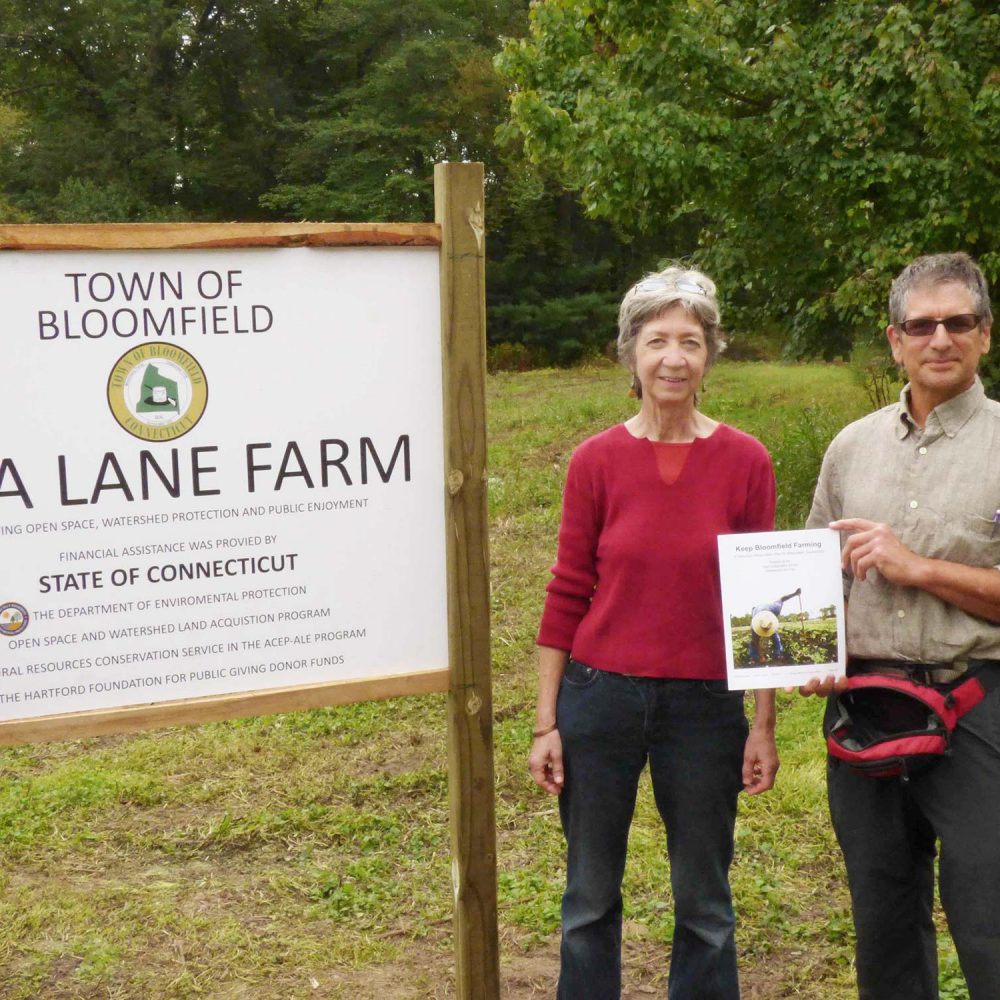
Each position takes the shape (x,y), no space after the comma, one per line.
(157,392)
(13,618)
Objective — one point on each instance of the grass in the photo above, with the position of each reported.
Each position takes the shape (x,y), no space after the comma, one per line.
(306,855)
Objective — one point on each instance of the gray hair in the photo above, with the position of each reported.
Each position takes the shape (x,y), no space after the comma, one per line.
(940,269)
(658,291)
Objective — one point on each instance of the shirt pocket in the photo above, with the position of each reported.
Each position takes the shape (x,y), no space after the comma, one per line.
(979,539)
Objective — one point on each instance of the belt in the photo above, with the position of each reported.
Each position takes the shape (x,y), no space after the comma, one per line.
(925,673)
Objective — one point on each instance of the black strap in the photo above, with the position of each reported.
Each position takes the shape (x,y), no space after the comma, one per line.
(988,672)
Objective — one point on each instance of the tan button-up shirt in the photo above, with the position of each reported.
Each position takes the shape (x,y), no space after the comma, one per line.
(938,488)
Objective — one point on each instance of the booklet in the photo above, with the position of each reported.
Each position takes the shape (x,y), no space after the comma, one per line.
(782,607)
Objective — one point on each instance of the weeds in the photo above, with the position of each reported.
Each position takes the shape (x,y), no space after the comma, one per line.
(876,372)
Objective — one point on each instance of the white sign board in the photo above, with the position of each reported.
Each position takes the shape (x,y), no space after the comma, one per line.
(222,471)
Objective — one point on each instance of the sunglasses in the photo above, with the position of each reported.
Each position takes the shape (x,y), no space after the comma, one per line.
(924,326)
(682,285)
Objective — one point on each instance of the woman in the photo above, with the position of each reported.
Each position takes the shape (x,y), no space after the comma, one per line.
(632,662)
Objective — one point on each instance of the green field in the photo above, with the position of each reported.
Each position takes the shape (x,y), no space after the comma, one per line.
(306,855)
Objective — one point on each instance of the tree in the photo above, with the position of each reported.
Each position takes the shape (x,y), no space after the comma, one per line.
(11,134)
(818,147)
(129,110)
(159,109)
(413,83)
(555,277)
(405,84)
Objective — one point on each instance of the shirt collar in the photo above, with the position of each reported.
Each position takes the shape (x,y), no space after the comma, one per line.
(949,416)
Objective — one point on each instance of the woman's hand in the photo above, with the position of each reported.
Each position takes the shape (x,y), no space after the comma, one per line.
(760,761)
(546,762)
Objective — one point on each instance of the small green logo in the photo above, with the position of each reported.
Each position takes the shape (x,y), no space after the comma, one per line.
(159,393)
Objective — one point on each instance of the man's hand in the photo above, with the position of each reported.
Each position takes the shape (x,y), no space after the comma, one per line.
(822,688)
(546,762)
(873,545)
(760,761)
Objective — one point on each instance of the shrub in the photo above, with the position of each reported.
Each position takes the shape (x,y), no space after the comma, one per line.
(507,357)
(558,331)
(876,372)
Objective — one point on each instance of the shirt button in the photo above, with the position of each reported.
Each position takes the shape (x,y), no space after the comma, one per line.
(914,505)
(922,450)
(901,613)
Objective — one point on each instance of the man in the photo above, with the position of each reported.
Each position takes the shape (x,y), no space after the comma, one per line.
(765,623)
(915,490)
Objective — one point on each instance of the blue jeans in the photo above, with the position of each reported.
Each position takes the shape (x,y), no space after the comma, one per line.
(693,734)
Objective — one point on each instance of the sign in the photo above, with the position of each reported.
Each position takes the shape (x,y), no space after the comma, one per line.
(221,472)
(304,440)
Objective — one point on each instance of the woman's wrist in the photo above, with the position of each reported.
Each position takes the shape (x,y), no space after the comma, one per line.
(544,730)
(765,713)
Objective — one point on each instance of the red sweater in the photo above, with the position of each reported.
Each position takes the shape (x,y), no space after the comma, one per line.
(635,587)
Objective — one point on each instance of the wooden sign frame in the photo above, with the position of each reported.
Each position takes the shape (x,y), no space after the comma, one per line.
(459,232)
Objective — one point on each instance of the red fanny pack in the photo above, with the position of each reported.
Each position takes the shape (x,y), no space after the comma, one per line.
(888,726)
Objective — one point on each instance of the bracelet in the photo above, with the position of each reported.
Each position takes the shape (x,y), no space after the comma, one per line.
(545,730)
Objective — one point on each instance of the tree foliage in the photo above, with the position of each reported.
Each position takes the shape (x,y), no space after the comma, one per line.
(159,109)
(405,85)
(817,147)
(324,109)
(335,110)
(411,84)
(555,277)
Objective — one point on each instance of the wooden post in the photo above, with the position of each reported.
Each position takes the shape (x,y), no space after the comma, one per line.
(458,209)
